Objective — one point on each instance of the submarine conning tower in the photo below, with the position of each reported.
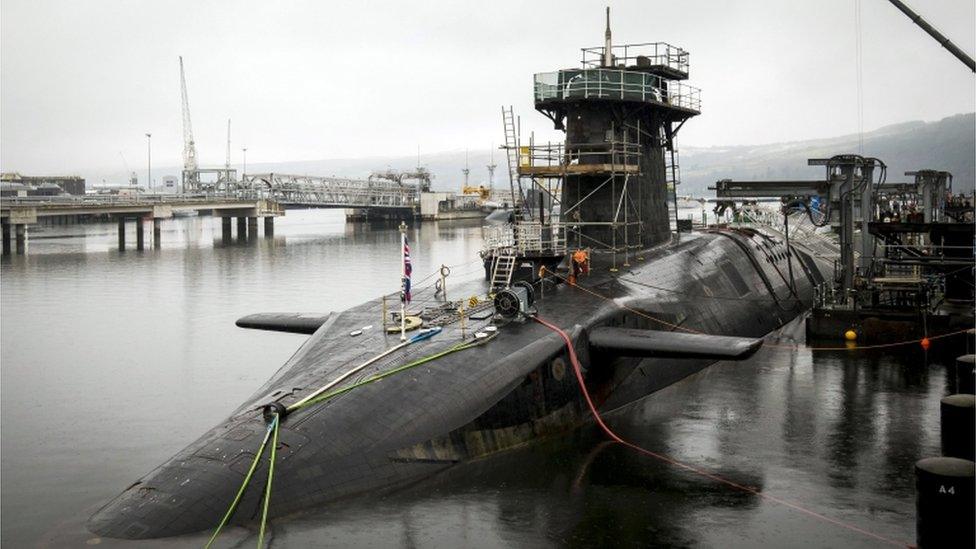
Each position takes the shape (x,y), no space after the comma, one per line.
(621,111)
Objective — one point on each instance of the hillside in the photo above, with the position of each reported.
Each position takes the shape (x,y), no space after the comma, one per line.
(948,144)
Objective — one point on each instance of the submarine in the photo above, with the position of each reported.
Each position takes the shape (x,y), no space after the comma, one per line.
(410,384)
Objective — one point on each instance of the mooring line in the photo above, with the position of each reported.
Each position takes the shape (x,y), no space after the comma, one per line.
(311,396)
(273,427)
(247,480)
(267,489)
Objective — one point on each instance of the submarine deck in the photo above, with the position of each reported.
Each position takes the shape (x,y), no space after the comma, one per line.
(837,432)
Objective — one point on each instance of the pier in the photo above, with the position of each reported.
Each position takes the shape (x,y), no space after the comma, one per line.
(18,214)
(256,196)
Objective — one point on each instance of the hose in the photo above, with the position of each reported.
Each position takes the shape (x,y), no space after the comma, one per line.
(577,369)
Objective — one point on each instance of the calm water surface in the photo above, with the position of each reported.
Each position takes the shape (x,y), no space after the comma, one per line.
(112,362)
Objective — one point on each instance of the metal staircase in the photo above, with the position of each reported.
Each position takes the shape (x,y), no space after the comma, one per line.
(501,274)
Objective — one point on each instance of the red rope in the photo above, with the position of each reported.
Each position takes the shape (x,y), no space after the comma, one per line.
(603,426)
(852,347)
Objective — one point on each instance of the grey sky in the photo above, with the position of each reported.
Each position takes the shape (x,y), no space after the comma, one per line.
(82,81)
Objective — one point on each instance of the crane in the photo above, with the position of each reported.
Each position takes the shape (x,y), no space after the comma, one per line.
(227,162)
(491,170)
(190,175)
(938,36)
(133,177)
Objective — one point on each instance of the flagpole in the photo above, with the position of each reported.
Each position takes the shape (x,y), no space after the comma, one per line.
(403,276)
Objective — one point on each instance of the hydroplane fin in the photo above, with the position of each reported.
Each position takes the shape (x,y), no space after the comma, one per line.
(654,343)
(295,323)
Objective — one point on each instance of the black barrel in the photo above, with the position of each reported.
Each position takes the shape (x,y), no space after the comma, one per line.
(966,374)
(944,505)
(958,413)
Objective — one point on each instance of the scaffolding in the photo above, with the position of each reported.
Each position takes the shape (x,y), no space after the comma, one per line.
(608,188)
(547,225)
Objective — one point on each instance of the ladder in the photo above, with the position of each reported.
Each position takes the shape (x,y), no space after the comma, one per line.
(672,177)
(512,152)
(501,274)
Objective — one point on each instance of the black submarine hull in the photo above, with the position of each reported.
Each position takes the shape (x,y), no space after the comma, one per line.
(514,389)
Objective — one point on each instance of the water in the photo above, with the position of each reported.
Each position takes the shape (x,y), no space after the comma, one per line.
(111,362)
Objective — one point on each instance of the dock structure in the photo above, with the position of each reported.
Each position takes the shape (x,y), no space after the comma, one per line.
(382,196)
(254,196)
(20,213)
(905,260)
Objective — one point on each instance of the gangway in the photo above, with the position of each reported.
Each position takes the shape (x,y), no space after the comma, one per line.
(329,192)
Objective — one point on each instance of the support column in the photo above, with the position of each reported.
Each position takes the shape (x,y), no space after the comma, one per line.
(6,239)
(140,234)
(21,231)
(252,227)
(121,234)
(157,232)
(241,228)
(225,228)
(269,227)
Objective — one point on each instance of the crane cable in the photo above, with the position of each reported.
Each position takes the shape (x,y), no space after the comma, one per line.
(859,68)
(577,369)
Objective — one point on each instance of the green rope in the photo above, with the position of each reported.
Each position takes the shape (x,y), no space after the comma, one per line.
(377,377)
(273,430)
(267,489)
(247,480)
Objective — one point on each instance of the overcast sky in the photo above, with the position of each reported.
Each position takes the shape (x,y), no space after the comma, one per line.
(83,81)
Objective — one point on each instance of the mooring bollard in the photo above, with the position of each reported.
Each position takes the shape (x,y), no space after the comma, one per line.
(944,507)
(966,374)
(971,341)
(958,418)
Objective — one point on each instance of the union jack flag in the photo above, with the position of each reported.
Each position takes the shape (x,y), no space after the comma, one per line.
(407,270)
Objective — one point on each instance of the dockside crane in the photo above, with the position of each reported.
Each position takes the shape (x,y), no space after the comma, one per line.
(133,176)
(227,162)
(191,176)
(938,36)
(491,172)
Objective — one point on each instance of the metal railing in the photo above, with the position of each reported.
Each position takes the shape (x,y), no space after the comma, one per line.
(116,200)
(329,191)
(615,84)
(648,54)
(526,237)
(555,154)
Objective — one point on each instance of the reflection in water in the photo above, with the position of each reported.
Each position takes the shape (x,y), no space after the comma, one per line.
(111,362)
